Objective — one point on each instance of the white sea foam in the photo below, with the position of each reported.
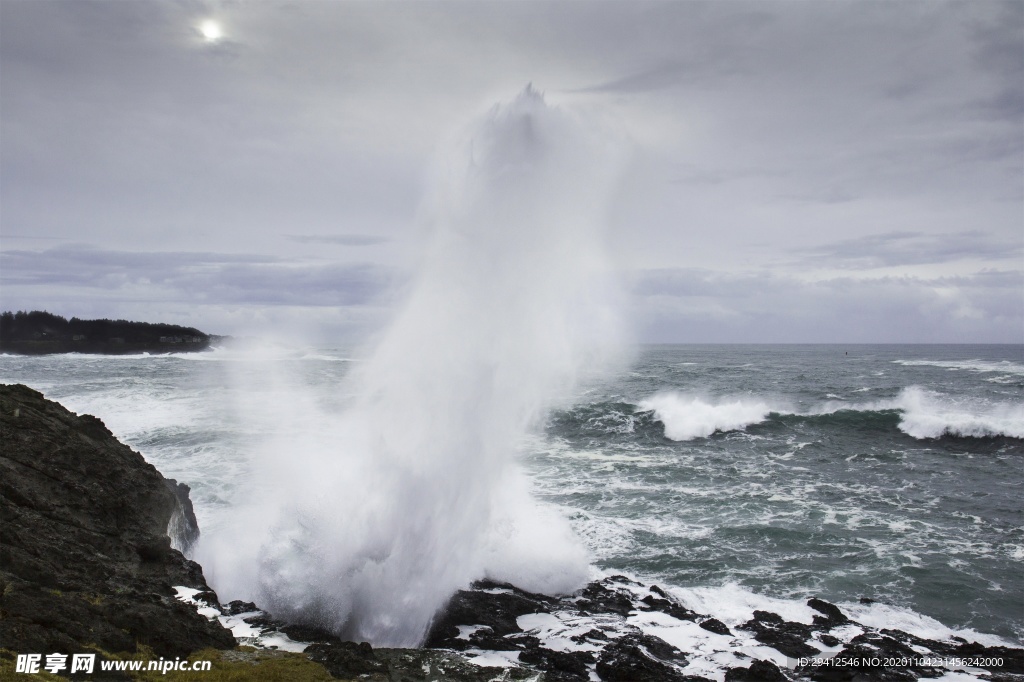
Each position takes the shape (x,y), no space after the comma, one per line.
(369,518)
(982,366)
(878,615)
(925,414)
(688,417)
(931,414)
(928,414)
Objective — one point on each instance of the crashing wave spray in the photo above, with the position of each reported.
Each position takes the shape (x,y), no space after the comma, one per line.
(420,494)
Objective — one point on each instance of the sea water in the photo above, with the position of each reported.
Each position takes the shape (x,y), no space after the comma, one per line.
(739,475)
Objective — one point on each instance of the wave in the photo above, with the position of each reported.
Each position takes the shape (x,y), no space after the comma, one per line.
(689,417)
(922,413)
(326,358)
(928,414)
(982,366)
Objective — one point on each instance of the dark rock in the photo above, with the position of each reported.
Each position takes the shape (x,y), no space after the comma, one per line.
(866,600)
(264,621)
(559,666)
(183,528)
(486,639)
(346,660)
(523,641)
(592,634)
(426,665)
(308,633)
(473,607)
(1013,659)
(669,607)
(759,671)
(833,617)
(716,626)
(828,640)
(768,617)
(785,637)
(640,658)
(867,646)
(236,607)
(597,597)
(622,580)
(85,561)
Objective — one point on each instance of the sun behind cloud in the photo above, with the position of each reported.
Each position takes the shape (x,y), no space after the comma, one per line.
(211,31)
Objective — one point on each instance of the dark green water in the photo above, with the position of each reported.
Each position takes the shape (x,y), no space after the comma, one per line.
(889,472)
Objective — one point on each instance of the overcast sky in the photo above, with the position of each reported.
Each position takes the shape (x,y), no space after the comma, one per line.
(801,171)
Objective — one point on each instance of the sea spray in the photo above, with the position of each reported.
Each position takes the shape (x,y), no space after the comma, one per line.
(374,516)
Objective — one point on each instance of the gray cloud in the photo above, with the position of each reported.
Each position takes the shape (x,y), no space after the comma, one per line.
(770,136)
(654,78)
(910,248)
(339,239)
(706,307)
(202,278)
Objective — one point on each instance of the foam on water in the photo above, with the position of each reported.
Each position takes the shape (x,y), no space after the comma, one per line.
(375,514)
(924,414)
(686,418)
(929,414)
(981,366)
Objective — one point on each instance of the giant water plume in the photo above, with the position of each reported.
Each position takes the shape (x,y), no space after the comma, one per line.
(372,518)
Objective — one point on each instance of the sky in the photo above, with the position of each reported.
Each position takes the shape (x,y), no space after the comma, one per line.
(840,172)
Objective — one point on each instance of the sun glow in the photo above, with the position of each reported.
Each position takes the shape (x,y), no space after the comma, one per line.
(211,31)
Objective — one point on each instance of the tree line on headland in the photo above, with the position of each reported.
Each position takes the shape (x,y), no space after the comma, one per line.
(40,332)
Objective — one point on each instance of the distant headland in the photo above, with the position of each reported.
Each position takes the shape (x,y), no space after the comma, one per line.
(42,333)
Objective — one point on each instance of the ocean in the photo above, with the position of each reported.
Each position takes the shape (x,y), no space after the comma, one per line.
(739,475)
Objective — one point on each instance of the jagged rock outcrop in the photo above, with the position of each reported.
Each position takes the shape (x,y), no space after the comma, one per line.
(85,560)
(183,528)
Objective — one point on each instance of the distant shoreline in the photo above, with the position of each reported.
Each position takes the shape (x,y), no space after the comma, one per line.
(43,333)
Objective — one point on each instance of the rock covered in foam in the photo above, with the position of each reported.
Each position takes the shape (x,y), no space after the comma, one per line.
(619,629)
(785,636)
(640,658)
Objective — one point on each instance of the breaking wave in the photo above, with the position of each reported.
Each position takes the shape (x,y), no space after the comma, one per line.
(922,414)
(981,366)
(687,417)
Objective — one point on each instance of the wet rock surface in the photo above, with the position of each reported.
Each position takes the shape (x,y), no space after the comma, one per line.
(602,631)
(640,658)
(758,671)
(494,606)
(786,637)
(85,560)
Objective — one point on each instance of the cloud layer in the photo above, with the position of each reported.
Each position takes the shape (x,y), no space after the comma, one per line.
(790,160)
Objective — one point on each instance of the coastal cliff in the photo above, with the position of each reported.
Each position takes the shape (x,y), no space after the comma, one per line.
(86,564)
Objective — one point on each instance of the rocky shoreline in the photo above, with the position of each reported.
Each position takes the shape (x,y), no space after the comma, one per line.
(91,561)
